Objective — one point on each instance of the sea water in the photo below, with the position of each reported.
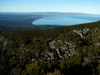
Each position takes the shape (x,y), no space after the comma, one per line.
(67,20)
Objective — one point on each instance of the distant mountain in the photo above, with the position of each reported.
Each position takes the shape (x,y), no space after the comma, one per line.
(43,13)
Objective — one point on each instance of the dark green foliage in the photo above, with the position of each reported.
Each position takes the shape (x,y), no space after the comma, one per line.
(25,27)
(49,33)
(25,47)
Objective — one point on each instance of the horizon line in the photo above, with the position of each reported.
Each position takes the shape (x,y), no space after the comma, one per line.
(46,12)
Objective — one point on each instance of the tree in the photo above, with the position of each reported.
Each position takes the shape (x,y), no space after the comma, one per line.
(56,72)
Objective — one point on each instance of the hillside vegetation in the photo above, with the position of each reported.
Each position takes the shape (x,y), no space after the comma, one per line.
(67,50)
(49,33)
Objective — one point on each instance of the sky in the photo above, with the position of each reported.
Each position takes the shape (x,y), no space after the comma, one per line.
(77,6)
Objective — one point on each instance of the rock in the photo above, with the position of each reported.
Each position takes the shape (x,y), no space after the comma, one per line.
(96,29)
(87,59)
(1,38)
(52,44)
(82,33)
(59,53)
(85,30)
(97,43)
(5,44)
(65,50)
(33,59)
(79,32)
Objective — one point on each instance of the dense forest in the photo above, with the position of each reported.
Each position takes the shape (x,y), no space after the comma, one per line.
(67,50)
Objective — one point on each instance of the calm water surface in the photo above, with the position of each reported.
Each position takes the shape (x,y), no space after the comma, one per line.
(67,20)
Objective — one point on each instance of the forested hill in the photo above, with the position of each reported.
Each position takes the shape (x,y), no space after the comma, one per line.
(26,27)
(67,50)
(48,33)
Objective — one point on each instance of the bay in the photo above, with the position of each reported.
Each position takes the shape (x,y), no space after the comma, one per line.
(67,20)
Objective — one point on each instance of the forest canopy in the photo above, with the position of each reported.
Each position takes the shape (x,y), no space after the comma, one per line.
(72,50)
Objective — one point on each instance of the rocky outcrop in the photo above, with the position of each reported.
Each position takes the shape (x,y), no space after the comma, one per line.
(57,49)
(65,50)
(1,38)
(82,33)
(95,31)
(4,43)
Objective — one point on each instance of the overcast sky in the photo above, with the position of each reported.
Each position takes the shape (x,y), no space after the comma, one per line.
(81,6)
